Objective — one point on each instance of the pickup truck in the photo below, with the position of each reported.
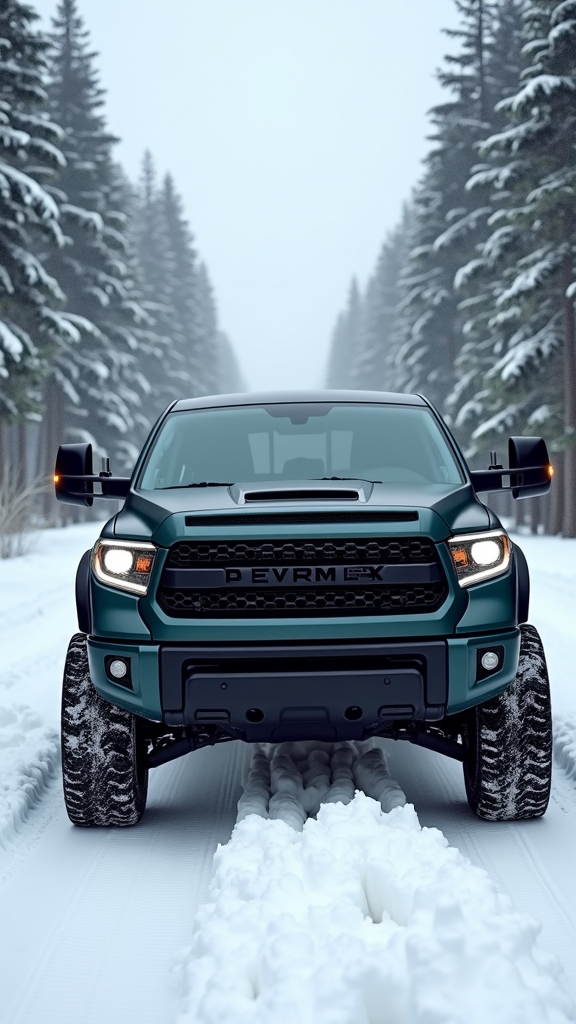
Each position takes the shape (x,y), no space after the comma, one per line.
(303,566)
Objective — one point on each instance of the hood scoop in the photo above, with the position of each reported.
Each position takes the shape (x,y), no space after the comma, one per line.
(306,490)
(301,495)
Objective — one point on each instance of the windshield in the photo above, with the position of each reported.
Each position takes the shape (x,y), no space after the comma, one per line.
(385,443)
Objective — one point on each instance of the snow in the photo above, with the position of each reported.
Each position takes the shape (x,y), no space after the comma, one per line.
(292,780)
(29,753)
(529,279)
(360,914)
(31,192)
(37,619)
(561,10)
(465,224)
(88,218)
(540,85)
(357,916)
(10,342)
(565,744)
(337,900)
(463,274)
(523,350)
(564,28)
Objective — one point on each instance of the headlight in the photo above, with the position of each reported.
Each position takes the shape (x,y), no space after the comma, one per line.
(479,556)
(123,564)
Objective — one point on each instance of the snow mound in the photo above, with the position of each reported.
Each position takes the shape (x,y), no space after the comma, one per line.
(357,916)
(29,755)
(565,744)
(292,780)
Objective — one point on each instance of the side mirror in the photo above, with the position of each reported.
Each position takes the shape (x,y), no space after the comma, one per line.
(530,455)
(530,472)
(74,477)
(74,460)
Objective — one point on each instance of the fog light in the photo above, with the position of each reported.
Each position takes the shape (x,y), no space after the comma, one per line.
(489,661)
(118,668)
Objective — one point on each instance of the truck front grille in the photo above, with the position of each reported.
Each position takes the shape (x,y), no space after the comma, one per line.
(196,554)
(360,556)
(247,602)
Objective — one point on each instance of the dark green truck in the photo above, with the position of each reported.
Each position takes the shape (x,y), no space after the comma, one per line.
(303,565)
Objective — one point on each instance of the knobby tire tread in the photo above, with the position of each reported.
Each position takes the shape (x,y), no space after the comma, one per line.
(508,768)
(103,757)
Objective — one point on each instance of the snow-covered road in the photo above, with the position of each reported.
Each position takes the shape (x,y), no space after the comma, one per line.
(93,923)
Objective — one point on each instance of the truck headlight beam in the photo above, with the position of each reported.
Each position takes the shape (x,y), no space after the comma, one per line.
(480,556)
(126,565)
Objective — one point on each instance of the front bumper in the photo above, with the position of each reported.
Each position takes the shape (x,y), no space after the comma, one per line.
(274,692)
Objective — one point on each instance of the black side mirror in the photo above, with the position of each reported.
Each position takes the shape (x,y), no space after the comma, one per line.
(74,460)
(530,455)
(74,477)
(530,472)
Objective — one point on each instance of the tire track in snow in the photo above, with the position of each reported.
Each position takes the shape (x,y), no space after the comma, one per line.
(565,744)
(528,860)
(37,618)
(93,919)
(30,755)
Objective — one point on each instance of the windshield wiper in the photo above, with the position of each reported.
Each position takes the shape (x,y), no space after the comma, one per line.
(362,478)
(201,483)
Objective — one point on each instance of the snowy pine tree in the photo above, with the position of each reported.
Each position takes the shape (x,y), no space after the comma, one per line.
(208,343)
(448,220)
(231,380)
(374,362)
(96,388)
(156,273)
(31,325)
(474,284)
(188,330)
(345,343)
(196,358)
(532,251)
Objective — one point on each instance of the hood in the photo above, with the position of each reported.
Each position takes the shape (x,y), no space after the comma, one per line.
(144,512)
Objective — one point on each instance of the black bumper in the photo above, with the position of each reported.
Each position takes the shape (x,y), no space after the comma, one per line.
(272,693)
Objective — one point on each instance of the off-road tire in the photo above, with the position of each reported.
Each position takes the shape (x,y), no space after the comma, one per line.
(103,752)
(508,764)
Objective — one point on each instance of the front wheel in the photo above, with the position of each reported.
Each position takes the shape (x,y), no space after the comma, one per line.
(103,751)
(508,761)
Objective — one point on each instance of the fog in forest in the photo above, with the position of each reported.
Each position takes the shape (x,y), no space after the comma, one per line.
(232,196)
(294,129)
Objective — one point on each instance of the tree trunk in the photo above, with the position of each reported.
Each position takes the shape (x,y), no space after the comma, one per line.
(544,511)
(534,513)
(21,466)
(52,436)
(556,505)
(519,513)
(3,452)
(569,515)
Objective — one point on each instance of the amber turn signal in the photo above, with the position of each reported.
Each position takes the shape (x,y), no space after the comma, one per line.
(550,471)
(460,556)
(56,479)
(143,563)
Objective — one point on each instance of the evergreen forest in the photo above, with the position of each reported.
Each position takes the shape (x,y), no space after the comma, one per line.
(107,313)
(471,301)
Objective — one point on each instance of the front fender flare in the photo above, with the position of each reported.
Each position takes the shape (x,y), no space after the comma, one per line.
(522,585)
(83,603)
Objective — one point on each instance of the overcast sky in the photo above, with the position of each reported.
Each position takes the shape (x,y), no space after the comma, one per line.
(294,130)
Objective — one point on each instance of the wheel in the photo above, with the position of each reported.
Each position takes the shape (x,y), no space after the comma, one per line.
(508,761)
(103,751)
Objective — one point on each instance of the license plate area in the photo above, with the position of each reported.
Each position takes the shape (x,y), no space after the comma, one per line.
(273,692)
(277,705)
